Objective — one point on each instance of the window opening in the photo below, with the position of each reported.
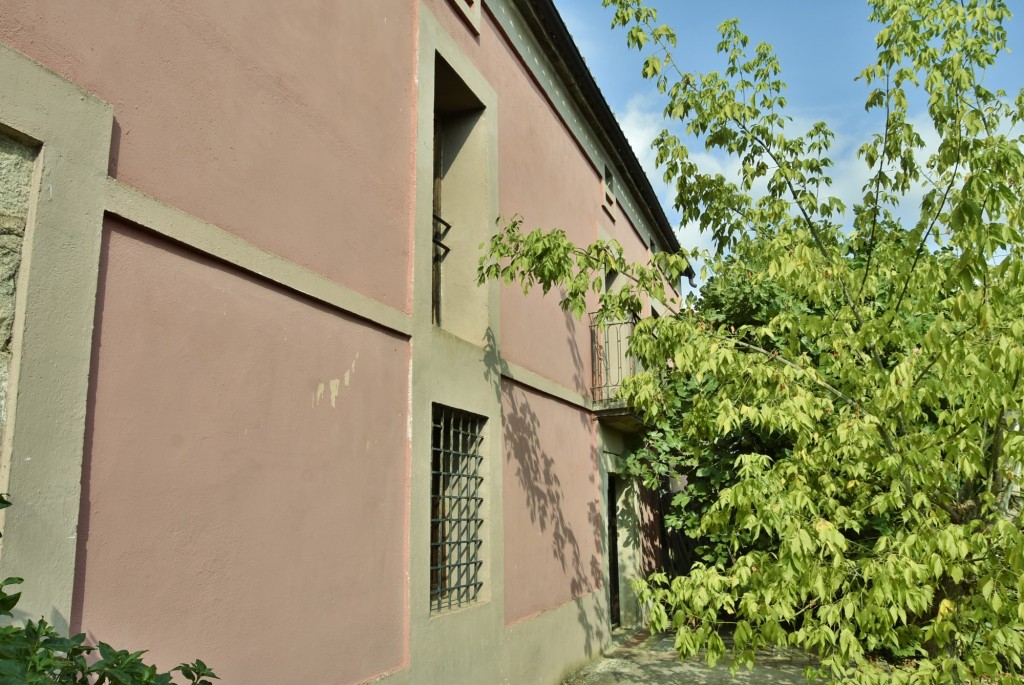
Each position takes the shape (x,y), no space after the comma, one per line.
(609,187)
(441,227)
(456,521)
(470,10)
(456,185)
(609,280)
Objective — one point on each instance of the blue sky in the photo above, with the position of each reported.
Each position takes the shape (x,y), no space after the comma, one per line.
(821,44)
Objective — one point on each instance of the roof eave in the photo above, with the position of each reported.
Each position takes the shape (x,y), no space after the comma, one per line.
(548,26)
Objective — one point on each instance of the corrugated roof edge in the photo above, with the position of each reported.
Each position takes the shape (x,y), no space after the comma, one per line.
(547,23)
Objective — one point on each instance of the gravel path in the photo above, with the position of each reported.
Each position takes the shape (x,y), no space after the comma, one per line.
(640,659)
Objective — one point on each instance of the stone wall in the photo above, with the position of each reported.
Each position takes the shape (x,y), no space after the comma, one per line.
(16,163)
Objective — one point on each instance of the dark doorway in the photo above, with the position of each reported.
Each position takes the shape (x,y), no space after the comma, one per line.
(614,615)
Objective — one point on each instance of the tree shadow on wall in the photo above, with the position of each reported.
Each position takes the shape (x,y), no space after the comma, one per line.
(580,379)
(641,512)
(649,519)
(537,476)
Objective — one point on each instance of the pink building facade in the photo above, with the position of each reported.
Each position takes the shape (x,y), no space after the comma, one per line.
(257,409)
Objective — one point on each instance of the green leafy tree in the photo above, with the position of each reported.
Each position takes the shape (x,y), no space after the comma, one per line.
(854,379)
(727,300)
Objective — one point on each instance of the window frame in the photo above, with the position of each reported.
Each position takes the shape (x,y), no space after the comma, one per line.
(470,12)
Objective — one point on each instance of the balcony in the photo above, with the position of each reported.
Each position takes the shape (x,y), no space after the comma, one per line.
(612,364)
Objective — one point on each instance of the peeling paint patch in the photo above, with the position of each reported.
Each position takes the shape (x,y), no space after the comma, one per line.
(335,387)
(334,384)
(351,370)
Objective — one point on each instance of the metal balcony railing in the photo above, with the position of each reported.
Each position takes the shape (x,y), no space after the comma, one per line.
(611,362)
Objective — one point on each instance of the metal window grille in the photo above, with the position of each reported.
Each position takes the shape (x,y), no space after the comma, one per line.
(455,503)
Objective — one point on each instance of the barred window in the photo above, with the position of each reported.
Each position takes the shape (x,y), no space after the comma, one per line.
(455,508)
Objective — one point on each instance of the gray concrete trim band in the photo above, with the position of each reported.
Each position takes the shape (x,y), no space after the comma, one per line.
(130,204)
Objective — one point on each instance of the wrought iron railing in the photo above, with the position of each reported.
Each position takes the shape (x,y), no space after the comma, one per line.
(612,363)
(440,233)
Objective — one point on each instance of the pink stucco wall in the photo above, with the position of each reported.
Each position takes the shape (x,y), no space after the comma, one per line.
(268,119)
(552,506)
(227,504)
(238,506)
(551,185)
(271,122)
(622,230)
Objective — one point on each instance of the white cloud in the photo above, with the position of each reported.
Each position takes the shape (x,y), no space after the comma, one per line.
(642,122)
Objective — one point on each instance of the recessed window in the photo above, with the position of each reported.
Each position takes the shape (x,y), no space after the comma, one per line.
(459,183)
(609,187)
(608,193)
(456,504)
(470,10)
